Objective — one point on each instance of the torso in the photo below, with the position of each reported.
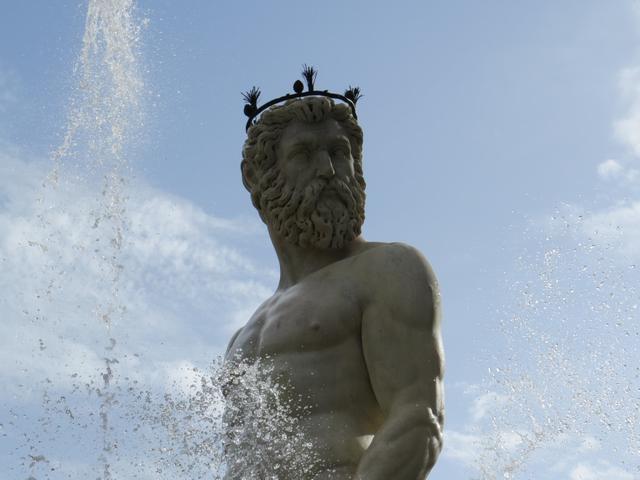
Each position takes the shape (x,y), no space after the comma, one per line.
(311,335)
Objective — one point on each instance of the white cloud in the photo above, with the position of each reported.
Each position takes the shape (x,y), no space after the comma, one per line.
(610,169)
(485,403)
(620,223)
(586,471)
(626,130)
(183,282)
(461,447)
(614,170)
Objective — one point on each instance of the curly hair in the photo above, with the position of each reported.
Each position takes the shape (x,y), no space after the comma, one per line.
(259,150)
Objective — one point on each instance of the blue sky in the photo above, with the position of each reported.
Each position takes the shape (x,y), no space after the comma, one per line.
(501,139)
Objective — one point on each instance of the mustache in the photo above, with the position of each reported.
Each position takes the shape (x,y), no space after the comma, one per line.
(310,200)
(335,186)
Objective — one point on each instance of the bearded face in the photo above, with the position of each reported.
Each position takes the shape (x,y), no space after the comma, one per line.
(302,166)
(323,214)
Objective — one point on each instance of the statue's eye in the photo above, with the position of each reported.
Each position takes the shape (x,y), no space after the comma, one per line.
(340,152)
(299,154)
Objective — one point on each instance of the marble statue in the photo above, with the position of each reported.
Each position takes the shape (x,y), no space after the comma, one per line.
(354,326)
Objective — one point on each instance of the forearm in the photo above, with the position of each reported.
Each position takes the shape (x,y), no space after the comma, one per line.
(405,448)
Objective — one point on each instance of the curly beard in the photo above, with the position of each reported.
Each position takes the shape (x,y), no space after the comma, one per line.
(324,214)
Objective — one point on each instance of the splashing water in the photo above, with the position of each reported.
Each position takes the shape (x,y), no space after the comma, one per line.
(248,434)
(192,433)
(104,119)
(566,389)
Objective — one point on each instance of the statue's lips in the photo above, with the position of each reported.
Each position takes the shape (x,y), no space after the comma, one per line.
(330,198)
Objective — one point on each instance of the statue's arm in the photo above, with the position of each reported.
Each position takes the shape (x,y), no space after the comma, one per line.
(231,342)
(229,420)
(403,351)
(229,364)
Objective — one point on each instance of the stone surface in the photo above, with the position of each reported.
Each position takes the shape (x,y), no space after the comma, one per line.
(352,333)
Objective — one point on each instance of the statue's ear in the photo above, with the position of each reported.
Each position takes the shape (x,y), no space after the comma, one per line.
(248,175)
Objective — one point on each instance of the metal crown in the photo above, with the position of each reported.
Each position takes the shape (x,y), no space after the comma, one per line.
(251,109)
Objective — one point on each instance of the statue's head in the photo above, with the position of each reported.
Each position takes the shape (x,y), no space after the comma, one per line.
(302,164)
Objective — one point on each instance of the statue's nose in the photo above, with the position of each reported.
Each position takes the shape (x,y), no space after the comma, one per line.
(324,165)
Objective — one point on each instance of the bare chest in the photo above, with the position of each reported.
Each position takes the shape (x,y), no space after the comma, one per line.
(309,317)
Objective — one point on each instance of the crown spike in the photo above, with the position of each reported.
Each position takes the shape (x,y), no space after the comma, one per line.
(309,74)
(353,94)
(251,97)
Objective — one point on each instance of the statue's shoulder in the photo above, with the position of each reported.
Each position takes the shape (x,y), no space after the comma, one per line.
(393,253)
(397,277)
(396,261)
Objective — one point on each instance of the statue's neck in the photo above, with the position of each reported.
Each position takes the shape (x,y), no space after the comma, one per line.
(297,262)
